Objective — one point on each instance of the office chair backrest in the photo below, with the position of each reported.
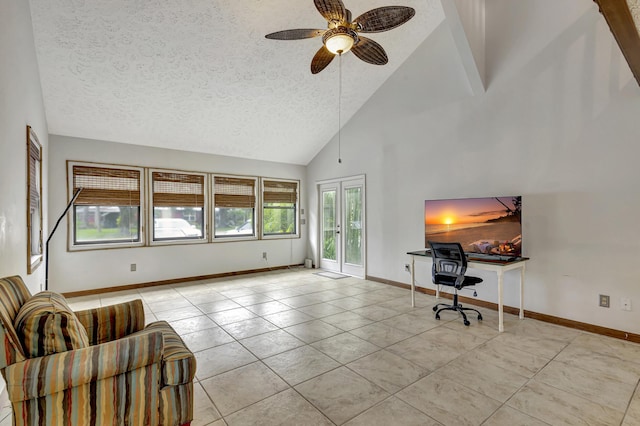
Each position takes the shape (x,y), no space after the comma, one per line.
(448,259)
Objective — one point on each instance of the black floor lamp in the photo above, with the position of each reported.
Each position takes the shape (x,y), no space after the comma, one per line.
(46,261)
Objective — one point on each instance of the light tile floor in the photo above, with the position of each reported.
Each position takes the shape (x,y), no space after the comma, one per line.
(290,347)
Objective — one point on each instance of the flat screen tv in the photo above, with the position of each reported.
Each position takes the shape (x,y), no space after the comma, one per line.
(490,226)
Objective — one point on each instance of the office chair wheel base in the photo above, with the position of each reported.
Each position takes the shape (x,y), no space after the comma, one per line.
(467,323)
(479,317)
(437,316)
(435,308)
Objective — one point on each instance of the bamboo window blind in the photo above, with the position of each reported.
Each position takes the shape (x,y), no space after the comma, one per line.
(280,192)
(103,186)
(177,189)
(34,178)
(234,192)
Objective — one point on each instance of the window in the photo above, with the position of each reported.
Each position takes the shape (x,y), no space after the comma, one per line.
(178,206)
(34,201)
(279,208)
(108,208)
(234,202)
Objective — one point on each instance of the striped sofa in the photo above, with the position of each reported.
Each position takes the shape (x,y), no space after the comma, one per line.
(93,367)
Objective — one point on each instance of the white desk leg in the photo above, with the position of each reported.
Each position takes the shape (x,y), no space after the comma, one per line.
(500,313)
(413,282)
(522,291)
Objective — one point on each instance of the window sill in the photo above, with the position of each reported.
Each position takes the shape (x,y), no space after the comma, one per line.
(105,246)
(281,237)
(178,242)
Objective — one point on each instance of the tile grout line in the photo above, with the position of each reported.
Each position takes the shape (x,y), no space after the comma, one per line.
(304,284)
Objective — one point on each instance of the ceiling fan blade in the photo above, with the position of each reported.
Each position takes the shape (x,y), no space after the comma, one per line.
(332,10)
(321,59)
(370,51)
(384,18)
(297,34)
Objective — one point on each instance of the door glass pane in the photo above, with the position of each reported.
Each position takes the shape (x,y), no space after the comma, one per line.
(329,225)
(353,228)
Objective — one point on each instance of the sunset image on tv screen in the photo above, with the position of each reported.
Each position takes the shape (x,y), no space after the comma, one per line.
(491,225)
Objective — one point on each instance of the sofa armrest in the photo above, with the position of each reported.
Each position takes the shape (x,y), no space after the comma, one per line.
(37,377)
(178,362)
(112,322)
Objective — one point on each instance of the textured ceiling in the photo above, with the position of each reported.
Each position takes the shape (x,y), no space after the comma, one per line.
(199,75)
(634,8)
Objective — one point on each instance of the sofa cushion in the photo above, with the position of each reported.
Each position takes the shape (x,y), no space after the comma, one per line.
(46,325)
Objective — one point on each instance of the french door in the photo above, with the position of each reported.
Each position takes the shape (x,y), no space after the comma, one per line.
(342,226)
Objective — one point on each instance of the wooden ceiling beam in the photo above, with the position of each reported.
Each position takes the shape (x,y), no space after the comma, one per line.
(620,21)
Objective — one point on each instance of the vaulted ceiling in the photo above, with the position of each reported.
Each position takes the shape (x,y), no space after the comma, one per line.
(199,75)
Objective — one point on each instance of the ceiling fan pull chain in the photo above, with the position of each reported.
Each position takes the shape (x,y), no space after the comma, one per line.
(339,106)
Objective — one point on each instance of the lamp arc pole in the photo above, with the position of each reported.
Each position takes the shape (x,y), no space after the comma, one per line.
(46,262)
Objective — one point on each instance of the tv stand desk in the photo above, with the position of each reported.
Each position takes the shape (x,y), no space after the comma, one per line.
(496,265)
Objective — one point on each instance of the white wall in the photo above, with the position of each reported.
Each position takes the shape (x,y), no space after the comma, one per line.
(558,125)
(94,269)
(21,104)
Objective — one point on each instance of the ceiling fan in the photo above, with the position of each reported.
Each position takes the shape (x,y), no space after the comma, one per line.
(342,34)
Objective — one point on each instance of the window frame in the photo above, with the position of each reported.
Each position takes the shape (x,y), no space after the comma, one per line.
(34,196)
(296,214)
(151,213)
(255,219)
(71,220)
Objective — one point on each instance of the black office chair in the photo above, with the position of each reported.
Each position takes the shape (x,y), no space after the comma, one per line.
(449,266)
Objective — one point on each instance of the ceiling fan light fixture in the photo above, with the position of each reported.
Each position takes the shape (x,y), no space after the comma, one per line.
(342,34)
(339,40)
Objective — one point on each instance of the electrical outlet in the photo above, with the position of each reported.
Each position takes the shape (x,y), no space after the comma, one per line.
(604,301)
(133,267)
(625,303)
(264,255)
(407,267)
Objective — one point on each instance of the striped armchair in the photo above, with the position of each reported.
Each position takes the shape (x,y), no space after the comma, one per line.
(94,367)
